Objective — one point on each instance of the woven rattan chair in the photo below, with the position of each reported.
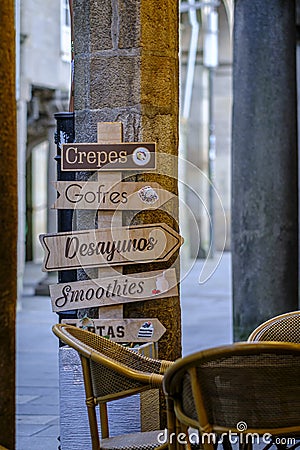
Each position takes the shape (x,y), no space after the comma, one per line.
(282,328)
(112,371)
(241,388)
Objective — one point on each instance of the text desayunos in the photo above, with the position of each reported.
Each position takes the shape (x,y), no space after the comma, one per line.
(74,248)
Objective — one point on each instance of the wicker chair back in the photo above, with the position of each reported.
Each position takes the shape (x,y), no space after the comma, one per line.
(112,371)
(282,328)
(237,389)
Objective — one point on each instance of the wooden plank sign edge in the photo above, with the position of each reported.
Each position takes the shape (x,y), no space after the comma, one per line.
(114,290)
(100,157)
(99,247)
(123,330)
(100,196)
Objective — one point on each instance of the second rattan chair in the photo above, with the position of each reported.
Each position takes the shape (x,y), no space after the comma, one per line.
(282,328)
(243,390)
(112,371)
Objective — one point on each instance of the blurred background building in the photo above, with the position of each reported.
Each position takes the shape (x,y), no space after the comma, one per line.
(206,92)
(43,85)
(43,38)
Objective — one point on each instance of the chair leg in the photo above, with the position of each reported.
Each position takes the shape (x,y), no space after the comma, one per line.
(296,445)
(226,443)
(246,446)
(90,403)
(171,424)
(178,430)
(188,445)
(104,420)
(91,409)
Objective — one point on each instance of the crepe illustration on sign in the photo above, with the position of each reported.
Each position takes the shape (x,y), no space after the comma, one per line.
(141,156)
(146,330)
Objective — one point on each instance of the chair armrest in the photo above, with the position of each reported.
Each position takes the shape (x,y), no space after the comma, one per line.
(165,365)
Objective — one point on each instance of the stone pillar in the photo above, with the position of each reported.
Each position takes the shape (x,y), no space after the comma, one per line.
(42,288)
(22,161)
(264,163)
(126,70)
(8,224)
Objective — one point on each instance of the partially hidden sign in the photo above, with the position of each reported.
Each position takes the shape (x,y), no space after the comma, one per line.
(113,290)
(109,246)
(139,156)
(124,330)
(121,196)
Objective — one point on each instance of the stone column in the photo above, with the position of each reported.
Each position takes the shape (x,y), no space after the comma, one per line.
(8,224)
(126,70)
(42,288)
(22,161)
(264,163)
(51,194)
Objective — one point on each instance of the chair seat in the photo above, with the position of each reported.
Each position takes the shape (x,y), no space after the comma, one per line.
(147,440)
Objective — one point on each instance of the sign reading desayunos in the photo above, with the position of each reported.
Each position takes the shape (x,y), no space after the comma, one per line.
(114,290)
(109,157)
(109,246)
(121,196)
(125,330)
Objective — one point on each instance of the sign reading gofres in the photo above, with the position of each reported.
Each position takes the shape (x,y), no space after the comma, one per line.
(108,157)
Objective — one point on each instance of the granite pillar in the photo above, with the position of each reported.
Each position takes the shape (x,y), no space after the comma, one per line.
(126,70)
(264,163)
(8,225)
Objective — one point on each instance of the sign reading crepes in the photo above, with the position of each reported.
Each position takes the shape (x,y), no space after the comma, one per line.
(121,196)
(109,246)
(119,156)
(124,330)
(114,290)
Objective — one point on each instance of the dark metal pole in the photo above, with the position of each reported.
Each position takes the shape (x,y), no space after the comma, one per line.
(65,133)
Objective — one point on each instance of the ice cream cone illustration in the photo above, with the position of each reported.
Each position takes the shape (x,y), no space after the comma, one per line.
(162,283)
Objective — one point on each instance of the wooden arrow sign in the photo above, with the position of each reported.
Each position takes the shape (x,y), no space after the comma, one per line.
(114,290)
(122,330)
(109,246)
(121,196)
